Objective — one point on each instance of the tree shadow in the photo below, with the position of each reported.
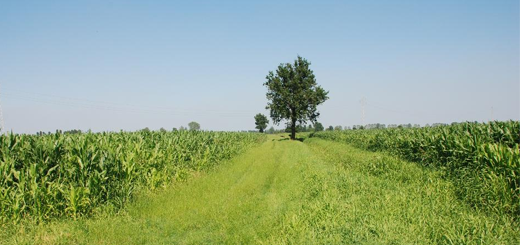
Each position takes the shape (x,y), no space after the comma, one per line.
(284,139)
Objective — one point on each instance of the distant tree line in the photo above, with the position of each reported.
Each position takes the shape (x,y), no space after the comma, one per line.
(193,126)
(59,131)
(299,128)
(261,124)
(319,127)
(383,126)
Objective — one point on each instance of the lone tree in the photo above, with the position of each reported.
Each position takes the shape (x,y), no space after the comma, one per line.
(318,127)
(194,125)
(261,122)
(293,94)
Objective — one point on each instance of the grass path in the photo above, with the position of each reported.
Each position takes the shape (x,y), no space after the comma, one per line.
(287,192)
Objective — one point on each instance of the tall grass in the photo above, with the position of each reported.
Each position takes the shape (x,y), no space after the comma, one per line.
(72,175)
(482,159)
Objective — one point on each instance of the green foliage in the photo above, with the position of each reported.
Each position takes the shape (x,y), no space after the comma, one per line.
(194,126)
(293,94)
(261,122)
(283,192)
(73,131)
(72,175)
(482,159)
(299,128)
(318,127)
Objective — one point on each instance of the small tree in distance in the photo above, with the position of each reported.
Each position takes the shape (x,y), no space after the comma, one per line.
(261,122)
(194,126)
(318,127)
(293,94)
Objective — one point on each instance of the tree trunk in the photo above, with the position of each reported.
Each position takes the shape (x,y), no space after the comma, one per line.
(293,129)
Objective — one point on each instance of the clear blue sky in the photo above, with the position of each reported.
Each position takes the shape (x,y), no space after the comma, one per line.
(110,65)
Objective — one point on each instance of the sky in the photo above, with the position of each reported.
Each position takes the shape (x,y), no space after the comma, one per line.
(127,65)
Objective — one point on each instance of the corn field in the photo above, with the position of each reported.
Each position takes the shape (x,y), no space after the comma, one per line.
(56,175)
(482,159)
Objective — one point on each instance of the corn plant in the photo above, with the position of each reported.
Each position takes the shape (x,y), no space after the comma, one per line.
(55,175)
(483,159)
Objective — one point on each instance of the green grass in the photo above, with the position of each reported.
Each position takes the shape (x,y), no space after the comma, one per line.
(44,177)
(289,192)
(482,159)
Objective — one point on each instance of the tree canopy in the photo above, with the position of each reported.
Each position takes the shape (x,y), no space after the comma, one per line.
(293,94)
(261,122)
(194,125)
(318,127)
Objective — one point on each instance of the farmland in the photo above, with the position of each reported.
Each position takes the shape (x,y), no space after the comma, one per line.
(57,175)
(482,159)
(338,187)
(260,122)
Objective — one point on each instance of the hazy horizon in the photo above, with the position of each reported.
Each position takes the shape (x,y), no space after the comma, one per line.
(110,66)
